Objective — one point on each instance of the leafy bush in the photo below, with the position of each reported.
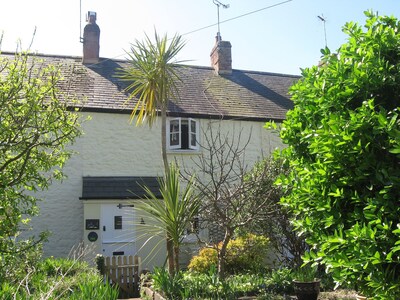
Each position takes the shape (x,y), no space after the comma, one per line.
(15,265)
(169,285)
(36,129)
(279,281)
(343,138)
(245,253)
(204,261)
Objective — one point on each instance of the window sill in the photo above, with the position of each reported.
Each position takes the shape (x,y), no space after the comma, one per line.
(183,151)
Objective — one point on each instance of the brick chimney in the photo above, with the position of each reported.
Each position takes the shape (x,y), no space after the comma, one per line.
(91,40)
(221,56)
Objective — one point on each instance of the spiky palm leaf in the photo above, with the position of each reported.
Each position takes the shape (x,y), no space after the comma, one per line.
(151,75)
(173,214)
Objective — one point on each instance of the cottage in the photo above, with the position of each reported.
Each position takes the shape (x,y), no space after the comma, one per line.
(114,158)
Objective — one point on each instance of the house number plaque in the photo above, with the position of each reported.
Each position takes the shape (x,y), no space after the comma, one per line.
(92,224)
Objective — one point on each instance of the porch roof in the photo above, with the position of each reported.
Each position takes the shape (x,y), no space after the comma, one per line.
(118,187)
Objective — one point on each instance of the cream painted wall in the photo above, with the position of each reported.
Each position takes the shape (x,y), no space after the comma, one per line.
(111,146)
(152,252)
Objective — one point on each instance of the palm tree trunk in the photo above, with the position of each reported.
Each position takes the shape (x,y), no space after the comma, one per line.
(170,245)
(164,137)
(176,257)
(170,255)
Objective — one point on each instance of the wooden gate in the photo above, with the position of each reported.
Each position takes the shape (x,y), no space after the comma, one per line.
(124,272)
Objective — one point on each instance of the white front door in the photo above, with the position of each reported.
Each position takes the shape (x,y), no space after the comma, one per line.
(117,229)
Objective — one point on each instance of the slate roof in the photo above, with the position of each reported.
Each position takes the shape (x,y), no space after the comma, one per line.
(118,187)
(245,95)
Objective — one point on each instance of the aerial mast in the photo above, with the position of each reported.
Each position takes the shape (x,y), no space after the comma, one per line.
(323,19)
(218,4)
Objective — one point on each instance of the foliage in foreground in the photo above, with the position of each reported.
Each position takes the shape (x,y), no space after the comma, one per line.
(343,138)
(191,285)
(35,130)
(59,279)
(272,284)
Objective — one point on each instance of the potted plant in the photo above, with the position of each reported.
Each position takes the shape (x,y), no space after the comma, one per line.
(306,285)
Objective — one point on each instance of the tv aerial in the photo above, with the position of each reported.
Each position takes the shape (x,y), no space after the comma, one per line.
(218,4)
(323,19)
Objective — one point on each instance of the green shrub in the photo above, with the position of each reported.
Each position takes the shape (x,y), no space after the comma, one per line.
(15,266)
(207,286)
(60,266)
(8,291)
(190,285)
(58,279)
(245,253)
(203,262)
(279,281)
(343,150)
(94,289)
(246,284)
(169,285)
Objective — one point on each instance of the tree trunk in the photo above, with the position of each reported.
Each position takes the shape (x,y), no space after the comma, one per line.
(170,255)
(164,137)
(170,245)
(222,255)
(176,257)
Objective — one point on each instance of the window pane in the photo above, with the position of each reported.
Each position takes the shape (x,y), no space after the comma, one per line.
(193,140)
(193,126)
(193,134)
(117,222)
(174,132)
(185,134)
(174,140)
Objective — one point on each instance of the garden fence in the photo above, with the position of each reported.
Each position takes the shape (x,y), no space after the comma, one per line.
(124,272)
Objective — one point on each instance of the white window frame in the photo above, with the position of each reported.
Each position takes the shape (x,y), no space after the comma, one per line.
(196,134)
(169,133)
(191,134)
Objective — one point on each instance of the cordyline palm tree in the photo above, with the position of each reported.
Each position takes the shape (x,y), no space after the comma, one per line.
(152,80)
(173,215)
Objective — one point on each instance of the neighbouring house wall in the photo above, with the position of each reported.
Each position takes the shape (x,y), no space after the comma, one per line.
(112,146)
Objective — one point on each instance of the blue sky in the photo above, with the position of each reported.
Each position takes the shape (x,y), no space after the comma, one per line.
(279,36)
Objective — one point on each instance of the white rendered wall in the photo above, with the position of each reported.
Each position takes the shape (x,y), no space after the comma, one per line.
(112,146)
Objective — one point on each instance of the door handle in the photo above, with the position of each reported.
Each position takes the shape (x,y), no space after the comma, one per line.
(104,228)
